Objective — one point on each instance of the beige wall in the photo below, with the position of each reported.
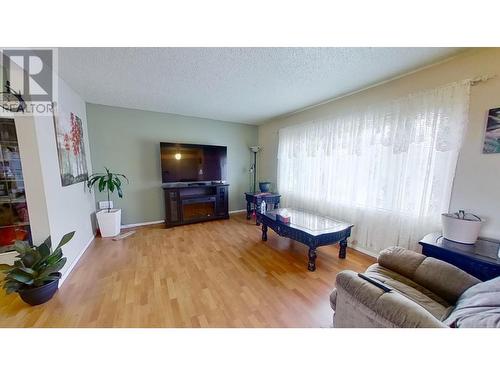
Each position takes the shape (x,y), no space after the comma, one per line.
(477,182)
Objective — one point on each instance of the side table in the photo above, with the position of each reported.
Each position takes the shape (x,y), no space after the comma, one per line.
(255,199)
(480,259)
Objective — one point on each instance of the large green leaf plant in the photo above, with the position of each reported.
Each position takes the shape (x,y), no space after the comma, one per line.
(34,266)
(108,181)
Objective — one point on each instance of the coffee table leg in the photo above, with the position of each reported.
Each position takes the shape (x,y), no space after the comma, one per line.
(343,248)
(249,210)
(311,265)
(264,232)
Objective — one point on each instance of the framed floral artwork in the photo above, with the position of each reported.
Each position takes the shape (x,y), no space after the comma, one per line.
(492,134)
(70,148)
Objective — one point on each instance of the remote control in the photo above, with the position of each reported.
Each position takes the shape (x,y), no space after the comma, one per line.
(376,283)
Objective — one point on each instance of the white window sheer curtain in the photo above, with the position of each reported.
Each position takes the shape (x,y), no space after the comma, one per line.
(388,169)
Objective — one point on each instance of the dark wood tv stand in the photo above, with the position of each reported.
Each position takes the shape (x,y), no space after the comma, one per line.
(194,203)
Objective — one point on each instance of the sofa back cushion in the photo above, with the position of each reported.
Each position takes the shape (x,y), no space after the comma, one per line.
(477,307)
(400,260)
(443,279)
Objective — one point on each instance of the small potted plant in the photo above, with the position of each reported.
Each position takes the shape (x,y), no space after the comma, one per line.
(109,219)
(35,273)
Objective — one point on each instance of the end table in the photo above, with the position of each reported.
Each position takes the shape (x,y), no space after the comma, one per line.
(256,199)
(480,259)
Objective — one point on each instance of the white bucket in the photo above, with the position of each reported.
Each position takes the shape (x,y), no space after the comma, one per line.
(464,229)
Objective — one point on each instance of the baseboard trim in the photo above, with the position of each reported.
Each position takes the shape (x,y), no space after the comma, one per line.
(236,211)
(142,224)
(70,268)
(364,251)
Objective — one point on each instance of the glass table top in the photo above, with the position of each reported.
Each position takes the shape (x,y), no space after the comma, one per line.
(309,222)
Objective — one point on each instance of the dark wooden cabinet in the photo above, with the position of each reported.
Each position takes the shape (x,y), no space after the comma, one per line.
(172,206)
(222,201)
(480,259)
(195,203)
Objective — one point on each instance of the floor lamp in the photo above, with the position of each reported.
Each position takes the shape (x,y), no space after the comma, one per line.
(254,149)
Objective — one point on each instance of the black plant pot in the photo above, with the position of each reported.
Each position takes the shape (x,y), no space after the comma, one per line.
(41,294)
(264,186)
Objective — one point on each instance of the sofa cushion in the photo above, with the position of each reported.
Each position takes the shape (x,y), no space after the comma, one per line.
(477,307)
(434,304)
(400,260)
(442,278)
(361,304)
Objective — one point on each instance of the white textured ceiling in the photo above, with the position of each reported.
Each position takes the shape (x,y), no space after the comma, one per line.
(246,85)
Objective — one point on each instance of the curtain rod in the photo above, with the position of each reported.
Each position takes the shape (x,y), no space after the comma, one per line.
(479,79)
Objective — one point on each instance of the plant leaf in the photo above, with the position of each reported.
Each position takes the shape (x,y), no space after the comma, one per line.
(30,258)
(66,238)
(122,175)
(21,247)
(111,185)
(54,257)
(48,242)
(48,278)
(20,276)
(102,184)
(119,190)
(52,269)
(44,251)
(93,179)
(11,286)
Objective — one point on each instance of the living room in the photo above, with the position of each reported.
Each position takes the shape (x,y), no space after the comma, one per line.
(334,188)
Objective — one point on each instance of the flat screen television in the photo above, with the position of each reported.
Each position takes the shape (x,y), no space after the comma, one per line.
(192,163)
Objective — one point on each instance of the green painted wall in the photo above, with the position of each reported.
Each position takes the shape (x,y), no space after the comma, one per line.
(128,141)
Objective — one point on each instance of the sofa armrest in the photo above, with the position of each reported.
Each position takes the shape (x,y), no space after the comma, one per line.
(359,303)
(441,278)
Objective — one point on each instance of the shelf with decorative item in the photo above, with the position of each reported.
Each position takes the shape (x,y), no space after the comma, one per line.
(12,200)
(15,225)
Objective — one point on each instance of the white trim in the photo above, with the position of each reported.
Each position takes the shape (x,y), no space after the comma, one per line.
(236,211)
(364,251)
(70,268)
(142,224)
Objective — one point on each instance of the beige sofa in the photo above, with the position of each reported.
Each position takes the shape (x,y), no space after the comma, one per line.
(424,292)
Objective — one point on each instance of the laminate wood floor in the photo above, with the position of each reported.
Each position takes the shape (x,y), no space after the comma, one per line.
(213,274)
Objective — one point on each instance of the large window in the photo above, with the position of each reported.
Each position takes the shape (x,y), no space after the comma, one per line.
(387,169)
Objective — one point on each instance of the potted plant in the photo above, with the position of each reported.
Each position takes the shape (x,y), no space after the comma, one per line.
(35,273)
(109,219)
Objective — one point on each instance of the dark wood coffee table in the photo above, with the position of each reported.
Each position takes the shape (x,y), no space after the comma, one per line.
(310,229)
